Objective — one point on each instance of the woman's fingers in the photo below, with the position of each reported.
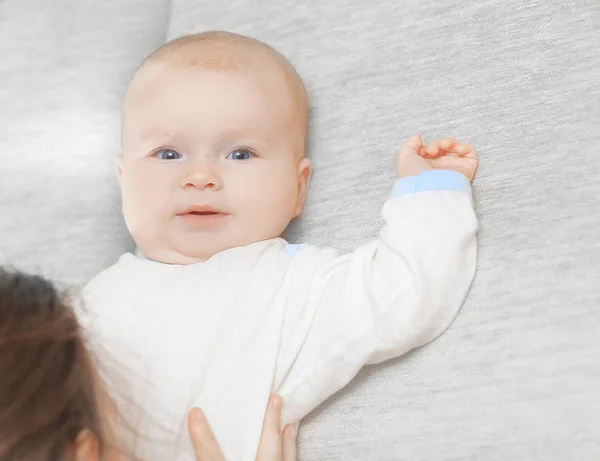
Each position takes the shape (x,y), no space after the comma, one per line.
(273,445)
(206,447)
(269,448)
(288,443)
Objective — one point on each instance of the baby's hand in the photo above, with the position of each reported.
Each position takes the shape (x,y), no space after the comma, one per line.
(445,154)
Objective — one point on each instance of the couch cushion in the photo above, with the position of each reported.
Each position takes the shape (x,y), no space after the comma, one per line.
(63,69)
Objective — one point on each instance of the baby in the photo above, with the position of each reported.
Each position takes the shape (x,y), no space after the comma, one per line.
(220,311)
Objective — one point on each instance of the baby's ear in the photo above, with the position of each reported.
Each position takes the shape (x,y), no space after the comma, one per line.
(119,166)
(304,171)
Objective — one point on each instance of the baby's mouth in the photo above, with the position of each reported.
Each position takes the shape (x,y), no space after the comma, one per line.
(203,219)
(201,211)
(204,213)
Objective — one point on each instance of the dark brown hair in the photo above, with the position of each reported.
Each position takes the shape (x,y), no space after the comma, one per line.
(49,386)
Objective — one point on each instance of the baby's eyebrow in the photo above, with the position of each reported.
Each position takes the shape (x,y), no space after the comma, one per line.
(157,134)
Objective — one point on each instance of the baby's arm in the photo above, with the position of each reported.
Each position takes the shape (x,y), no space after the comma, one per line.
(392,295)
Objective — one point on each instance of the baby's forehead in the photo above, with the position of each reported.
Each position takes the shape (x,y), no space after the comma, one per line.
(160,84)
(206,68)
(220,52)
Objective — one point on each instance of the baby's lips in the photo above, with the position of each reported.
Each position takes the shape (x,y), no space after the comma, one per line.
(200,209)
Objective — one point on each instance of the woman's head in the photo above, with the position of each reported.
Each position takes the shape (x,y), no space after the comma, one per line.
(50,393)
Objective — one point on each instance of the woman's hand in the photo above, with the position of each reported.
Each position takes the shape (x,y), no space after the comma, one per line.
(274,446)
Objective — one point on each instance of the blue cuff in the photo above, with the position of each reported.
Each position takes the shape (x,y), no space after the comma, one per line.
(431,180)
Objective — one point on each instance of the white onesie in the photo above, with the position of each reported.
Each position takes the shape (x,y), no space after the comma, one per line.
(272,317)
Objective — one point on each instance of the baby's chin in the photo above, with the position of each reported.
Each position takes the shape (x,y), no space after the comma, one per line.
(172,256)
(183,259)
(188,254)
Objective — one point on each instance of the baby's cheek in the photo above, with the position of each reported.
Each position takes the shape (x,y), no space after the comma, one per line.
(139,205)
(285,194)
(146,191)
(280,209)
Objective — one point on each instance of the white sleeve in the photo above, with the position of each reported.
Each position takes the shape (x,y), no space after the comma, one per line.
(392,295)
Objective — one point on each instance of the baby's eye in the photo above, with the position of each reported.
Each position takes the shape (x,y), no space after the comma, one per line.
(240,154)
(168,154)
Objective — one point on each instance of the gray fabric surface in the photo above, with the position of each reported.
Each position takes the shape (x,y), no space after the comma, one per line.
(517,375)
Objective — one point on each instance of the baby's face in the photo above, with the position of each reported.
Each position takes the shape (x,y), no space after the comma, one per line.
(211,160)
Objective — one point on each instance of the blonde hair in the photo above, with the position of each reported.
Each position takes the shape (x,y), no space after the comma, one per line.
(219,50)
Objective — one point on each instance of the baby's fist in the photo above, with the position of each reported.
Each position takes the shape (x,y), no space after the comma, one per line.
(445,154)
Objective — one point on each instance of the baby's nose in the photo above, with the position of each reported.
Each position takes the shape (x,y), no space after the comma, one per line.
(204,179)
(195,185)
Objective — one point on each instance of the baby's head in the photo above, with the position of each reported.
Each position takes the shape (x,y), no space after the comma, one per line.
(213,140)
